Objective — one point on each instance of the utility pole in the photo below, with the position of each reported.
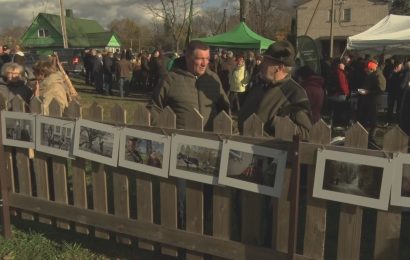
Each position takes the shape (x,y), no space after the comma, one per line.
(225,21)
(332,17)
(189,34)
(63,27)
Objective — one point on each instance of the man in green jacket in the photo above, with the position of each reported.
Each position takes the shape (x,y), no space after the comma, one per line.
(274,93)
(191,85)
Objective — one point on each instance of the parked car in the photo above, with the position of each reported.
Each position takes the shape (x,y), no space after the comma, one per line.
(71,59)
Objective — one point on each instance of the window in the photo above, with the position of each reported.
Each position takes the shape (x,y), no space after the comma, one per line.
(42,33)
(347,15)
(329,15)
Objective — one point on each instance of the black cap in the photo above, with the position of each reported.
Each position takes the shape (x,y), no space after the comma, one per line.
(282,52)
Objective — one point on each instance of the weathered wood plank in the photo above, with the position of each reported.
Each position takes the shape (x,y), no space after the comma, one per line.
(251,203)
(350,223)
(40,165)
(388,222)
(5,172)
(99,177)
(22,160)
(59,170)
(194,191)
(145,209)
(315,228)
(171,236)
(284,129)
(74,111)
(120,179)
(222,196)
(168,188)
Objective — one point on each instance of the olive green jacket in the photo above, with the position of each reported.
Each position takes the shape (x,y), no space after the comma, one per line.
(284,98)
(183,92)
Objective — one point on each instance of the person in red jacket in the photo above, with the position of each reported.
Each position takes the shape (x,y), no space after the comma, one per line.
(338,93)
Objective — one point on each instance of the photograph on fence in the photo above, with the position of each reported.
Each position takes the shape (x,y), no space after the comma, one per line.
(252,167)
(18,129)
(54,136)
(144,152)
(195,159)
(353,178)
(96,141)
(400,192)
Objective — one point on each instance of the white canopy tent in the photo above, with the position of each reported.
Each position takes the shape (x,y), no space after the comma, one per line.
(391,35)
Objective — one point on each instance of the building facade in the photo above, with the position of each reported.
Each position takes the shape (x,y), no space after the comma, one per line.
(350,17)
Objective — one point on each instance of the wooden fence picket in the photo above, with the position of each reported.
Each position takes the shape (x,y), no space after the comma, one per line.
(350,222)
(59,169)
(74,111)
(194,190)
(5,179)
(284,129)
(23,161)
(315,228)
(222,196)
(168,187)
(251,203)
(120,179)
(145,202)
(99,177)
(388,222)
(40,165)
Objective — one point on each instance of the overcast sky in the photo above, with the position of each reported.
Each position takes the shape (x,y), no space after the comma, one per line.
(22,12)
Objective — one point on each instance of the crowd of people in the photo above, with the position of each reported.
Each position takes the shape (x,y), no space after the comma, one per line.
(271,84)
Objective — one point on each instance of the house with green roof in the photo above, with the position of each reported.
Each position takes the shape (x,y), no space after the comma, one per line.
(44,34)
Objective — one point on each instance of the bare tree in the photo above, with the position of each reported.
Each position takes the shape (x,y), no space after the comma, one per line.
(127,30)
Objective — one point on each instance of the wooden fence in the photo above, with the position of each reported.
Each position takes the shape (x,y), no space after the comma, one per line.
(223,222)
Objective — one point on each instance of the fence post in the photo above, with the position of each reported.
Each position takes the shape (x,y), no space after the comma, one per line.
(388,222)
(222,196)
(251,203)
(40,165)
(194,190)
(22,160)
(120,179)
(59,169)
(74,111)
(99,177)
(350,223)
(5,209)
(315,228)
(144,183)
(168,187)
(284,129)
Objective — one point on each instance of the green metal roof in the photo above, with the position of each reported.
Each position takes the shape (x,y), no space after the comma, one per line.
(81,33)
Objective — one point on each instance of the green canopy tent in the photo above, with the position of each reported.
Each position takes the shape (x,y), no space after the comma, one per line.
(241,37)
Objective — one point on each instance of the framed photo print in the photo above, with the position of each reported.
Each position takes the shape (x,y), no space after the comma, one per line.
(96,141)
(400,192)
(145,152)
(195,159)
(54,136)
(353,178)
(252,167)
(18,129)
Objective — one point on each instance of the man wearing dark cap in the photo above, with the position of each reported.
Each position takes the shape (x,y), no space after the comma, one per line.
(6,54)
(274,93)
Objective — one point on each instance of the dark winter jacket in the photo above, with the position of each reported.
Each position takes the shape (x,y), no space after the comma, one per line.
(314,87)
(184,92)
(283,98)
(375,83)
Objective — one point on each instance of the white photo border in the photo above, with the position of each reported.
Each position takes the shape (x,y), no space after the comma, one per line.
(382,203)
(56,122)
(22,116)
(280,155)
(188,140)
(113,160)
(166,140)
(396,198)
